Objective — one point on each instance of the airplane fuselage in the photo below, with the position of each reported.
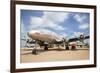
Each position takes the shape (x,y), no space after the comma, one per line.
(42,36)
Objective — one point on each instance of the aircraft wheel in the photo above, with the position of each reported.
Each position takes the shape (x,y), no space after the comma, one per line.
(34,51)
(67,48)
(45,48)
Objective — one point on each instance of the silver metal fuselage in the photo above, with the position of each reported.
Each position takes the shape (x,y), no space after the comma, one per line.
(43,36)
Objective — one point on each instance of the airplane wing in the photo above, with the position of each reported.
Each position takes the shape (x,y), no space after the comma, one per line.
(76,39)
(86,37)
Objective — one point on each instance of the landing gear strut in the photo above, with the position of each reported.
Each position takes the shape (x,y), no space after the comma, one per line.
(34,51)
(67,47)
(45,46)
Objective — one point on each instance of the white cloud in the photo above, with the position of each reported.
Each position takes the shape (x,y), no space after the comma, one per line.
(56,17)
(79,18)
(50,24)
(36,21)
(49,20)
(58,27)
(23,30)
(22,27)
(84,26)
(63,35)
(77,34)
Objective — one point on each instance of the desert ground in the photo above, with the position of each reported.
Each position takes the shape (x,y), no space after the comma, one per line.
(53,54)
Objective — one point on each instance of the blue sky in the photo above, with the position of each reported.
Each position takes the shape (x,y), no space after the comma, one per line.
(66,24)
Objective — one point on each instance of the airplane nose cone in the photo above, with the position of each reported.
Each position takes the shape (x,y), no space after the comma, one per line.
(29,34)
(33,34)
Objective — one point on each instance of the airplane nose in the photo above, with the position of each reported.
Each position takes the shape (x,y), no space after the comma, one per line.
(30,34)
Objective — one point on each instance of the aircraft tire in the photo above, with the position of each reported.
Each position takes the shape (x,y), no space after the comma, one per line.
(34,51)
(67,48)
